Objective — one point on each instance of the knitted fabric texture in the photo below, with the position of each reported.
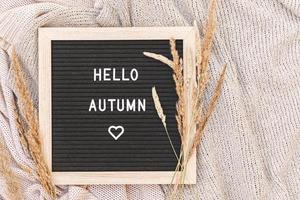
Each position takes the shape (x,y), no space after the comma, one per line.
(250,148)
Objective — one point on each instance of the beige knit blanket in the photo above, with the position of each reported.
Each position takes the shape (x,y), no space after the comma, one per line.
(251,146)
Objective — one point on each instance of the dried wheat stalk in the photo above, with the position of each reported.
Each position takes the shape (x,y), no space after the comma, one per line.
(31,135)
(24,143)
(180,90)
(21,130)
(202,76)
(203,120)
(158,107)
(12,180)
(160,58)
(176,65)
(162,116)
(199,116)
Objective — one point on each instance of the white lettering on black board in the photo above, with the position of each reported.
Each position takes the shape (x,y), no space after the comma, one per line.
(116,104)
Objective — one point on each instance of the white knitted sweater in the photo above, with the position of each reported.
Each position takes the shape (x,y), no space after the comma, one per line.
(250,149)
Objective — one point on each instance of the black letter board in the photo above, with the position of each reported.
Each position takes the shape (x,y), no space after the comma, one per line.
(103,117)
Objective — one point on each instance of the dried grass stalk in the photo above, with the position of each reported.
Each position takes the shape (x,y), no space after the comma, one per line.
(159,57)
(180,90)
(31,135)
(12,180)
(209,34)
(24,143)
(202,77)
(21,130)
(177,66)
(158,107)
(203,120)
(162,117)
(199,117)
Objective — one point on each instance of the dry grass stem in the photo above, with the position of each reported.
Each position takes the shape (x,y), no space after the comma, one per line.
(202,75)
(209,34)
(24,143)
(31,135)
(158,106)
(179,86)
(200,115)
(162,116)
(11,179)
(21,130)
(160,58)
(212,104)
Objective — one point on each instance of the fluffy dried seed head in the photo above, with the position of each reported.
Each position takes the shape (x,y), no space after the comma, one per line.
(158,106)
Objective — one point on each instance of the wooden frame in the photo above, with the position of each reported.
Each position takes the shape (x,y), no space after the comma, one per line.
(46,35)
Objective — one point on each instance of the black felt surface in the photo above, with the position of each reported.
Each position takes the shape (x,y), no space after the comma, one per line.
(80,140)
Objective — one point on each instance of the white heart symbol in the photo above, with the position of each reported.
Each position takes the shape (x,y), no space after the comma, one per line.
(115,128)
